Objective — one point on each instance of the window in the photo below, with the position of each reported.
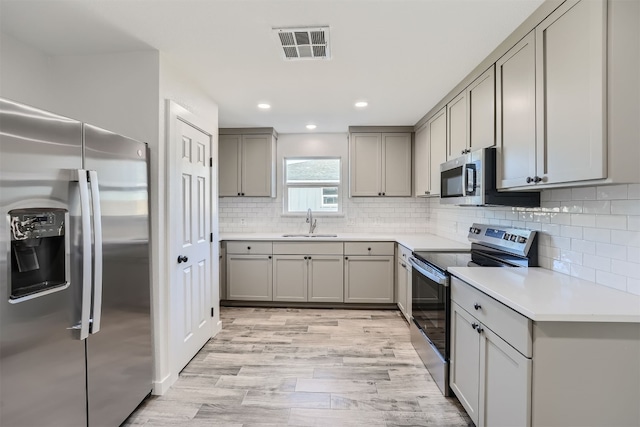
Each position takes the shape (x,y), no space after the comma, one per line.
(312,183)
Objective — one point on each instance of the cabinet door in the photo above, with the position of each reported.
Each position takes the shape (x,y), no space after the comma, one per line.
(516,114)
(326,278)
(505,383)
(289,278)
(482,110)
(229,165)
(408,312)
(421,163)
(249,277)
(458,126)
(437,148)
(396,164)
(571,87)
(365,164)
(401,286)
(369,279)
(464,368)
(257,165)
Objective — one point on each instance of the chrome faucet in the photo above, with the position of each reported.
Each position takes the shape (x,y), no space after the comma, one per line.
(312,222)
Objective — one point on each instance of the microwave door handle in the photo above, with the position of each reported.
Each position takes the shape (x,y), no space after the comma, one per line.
(97,252)
(469,173)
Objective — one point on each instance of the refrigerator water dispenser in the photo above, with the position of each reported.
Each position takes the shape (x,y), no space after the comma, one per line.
(39,252)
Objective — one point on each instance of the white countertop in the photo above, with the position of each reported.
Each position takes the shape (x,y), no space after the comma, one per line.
(413,242)
(546,296)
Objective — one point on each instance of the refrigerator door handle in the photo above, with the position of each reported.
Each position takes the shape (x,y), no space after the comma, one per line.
(97,252)
(85,216)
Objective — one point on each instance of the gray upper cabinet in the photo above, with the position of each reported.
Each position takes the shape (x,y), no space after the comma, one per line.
(566,105)
(430,151)
(516,113)
(457,126)
(482,111)
(571,87)
(471,116)
(246,164)
(551,100)
(380,164)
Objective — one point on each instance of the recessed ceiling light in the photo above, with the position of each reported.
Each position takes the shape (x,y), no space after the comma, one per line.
(311,127)
(361,104)
(264,106)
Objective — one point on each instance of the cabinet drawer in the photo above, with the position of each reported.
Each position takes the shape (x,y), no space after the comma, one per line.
(249,247)
(403,253)
(369,248)
(304,248)
(511,326)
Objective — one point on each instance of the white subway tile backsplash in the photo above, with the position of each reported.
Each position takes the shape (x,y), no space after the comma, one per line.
(583,193)
(583,246)
(571,231)
(597,262)
(582,272)
(612,192)
(625,207)
(611,251)
(633,286)
(615,222)
(596,207)
(601,235)
(583,220)
(611,280)
(587,232)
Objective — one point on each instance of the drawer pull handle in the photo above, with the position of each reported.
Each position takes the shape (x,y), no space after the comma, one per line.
(477,306)
(474,325)
(479,330)
(248,248)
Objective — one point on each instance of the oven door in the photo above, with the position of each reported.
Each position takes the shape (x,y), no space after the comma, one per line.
(430,306)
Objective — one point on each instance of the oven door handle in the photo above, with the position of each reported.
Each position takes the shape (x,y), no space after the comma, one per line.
(427,272)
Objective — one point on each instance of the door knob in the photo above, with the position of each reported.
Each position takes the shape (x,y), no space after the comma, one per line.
(182,258)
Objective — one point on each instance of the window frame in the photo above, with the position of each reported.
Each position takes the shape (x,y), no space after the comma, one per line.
(318,184)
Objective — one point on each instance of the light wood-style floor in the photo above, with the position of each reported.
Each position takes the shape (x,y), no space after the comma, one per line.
(304,367)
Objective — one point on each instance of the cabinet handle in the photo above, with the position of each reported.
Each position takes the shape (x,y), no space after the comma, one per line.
(404,265)
(182,258)
(427,192)
(238,194)
(243,194)
(346,258)
(369,249)
(477,306)
(537,179)
(248,248)
(384,194)
(462,152)
(479,330)
(379,194)
(269,256)
(474,325)
(309,257)
(529,179)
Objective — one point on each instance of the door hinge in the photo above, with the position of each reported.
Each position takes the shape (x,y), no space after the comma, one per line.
(211,311)
(211,238)
(210,162)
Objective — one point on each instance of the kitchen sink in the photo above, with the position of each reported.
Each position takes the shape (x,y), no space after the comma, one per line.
(309,235)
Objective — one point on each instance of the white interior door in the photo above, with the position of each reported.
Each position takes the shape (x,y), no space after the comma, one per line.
(192,273)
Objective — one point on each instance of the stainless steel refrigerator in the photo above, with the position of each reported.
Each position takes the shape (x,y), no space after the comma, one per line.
(75,328)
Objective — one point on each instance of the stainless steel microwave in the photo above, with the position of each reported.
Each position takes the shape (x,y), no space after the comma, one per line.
(470,180)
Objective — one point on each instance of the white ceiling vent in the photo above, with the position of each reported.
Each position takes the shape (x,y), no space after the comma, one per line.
(303,43)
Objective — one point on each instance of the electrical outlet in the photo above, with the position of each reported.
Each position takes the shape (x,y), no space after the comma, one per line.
(243,222)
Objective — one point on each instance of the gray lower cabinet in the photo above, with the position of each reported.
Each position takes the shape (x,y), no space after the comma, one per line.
(403,281)
(369,272)
(249,271)
(308,271)
(508,370)
(490,378)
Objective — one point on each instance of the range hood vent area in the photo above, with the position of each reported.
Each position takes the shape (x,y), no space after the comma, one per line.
(303,43)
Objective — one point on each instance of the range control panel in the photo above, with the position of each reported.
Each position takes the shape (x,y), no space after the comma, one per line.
(516,240)
(36,223)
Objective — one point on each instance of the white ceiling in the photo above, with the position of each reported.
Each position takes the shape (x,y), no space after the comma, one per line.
(402,56)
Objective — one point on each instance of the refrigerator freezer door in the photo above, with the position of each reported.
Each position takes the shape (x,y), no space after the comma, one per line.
(42,364)
(119,355)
